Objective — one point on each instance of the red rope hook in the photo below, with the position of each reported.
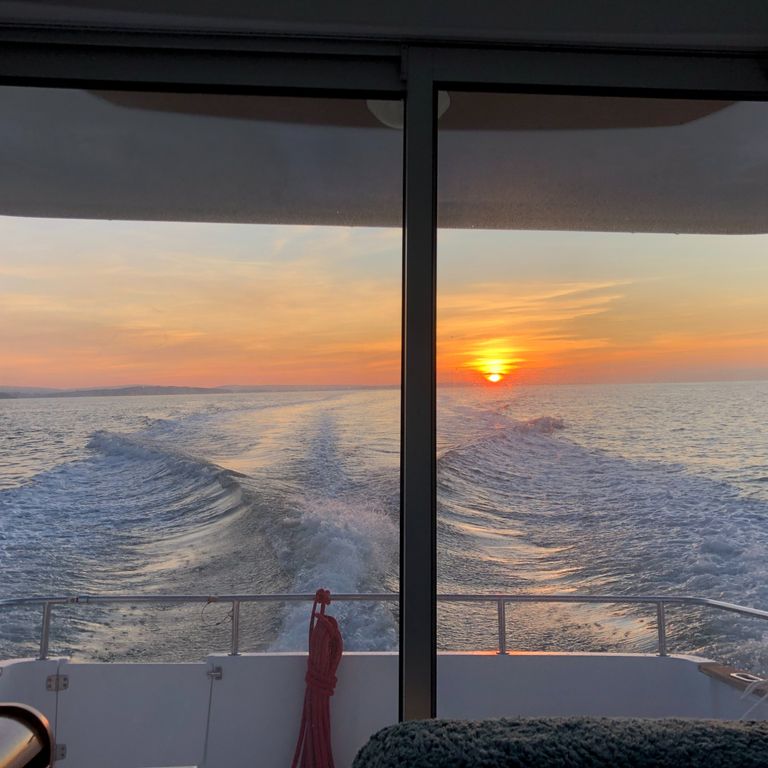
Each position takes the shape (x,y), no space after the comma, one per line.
(313,749)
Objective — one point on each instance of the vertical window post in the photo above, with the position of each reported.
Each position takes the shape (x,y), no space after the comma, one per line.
(418,610)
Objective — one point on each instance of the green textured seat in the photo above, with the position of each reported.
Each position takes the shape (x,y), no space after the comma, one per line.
(568,743)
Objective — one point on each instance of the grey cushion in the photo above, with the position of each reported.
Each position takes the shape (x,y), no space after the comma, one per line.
(568,743)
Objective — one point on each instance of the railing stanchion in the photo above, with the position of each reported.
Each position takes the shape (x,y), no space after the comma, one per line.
(501,608)
(45,632)
(661,626)
(235,628)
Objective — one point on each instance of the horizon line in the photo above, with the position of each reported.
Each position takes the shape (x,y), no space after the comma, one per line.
(233,388)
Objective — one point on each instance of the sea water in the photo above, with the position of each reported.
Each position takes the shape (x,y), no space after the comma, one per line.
(601,489)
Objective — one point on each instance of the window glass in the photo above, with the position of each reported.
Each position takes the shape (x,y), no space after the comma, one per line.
(199,366)
(602,366)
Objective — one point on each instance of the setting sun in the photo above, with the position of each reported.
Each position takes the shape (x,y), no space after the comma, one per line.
(493,359)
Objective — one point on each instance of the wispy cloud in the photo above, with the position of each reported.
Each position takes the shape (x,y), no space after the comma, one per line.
(506,326)
(295,312)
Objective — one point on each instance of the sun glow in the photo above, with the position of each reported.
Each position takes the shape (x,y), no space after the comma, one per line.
(493,361)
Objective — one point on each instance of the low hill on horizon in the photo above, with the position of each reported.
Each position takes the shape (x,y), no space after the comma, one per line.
(22,392)
(39,392)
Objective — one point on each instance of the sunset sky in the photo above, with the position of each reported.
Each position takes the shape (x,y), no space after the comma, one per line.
(98,303)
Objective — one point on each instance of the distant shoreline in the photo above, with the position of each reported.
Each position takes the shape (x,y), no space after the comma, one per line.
(33,393)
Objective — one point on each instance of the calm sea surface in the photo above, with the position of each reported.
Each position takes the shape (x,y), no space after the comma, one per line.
(628,489)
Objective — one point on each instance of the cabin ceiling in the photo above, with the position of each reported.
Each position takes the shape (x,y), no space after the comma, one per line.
(506,161)
(682,23)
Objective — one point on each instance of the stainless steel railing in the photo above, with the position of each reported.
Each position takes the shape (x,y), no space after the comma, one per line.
(501,601)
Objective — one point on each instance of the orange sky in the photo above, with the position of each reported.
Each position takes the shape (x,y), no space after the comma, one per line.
(117,303)
(589,307)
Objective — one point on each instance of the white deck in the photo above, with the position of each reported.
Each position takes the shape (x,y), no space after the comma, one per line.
(152,715)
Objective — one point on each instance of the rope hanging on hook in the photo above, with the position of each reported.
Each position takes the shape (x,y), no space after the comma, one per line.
(313,749)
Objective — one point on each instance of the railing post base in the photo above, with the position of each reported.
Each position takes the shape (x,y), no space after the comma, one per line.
(45,632)
(235,650)
(661,626)
(501,610)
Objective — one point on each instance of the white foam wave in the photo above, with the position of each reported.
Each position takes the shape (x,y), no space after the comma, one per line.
(543,425)
(142,448)
(345,545)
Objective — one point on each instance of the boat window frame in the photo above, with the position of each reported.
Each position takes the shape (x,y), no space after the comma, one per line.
(281,65)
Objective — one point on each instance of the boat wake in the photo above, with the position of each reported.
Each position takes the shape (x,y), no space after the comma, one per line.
(294,494)
(528,509)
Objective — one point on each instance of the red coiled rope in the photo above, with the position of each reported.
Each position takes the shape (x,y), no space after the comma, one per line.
(313,749)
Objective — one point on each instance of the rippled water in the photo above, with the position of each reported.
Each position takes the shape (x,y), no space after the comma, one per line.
(625,489)
(655,488)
